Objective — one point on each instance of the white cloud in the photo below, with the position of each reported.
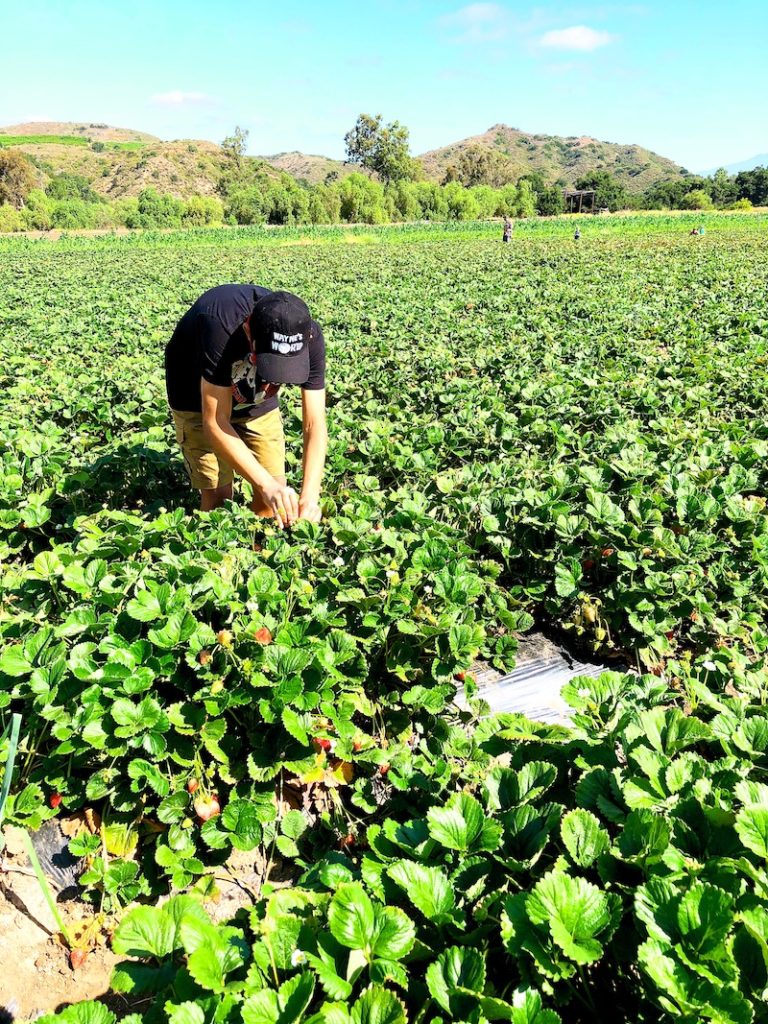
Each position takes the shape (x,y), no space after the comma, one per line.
(178,98)
(478,23)
(577,37)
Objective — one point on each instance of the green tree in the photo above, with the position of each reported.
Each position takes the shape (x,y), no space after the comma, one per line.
(246,204)
(482,165)
(362,200)
(608,191)
(551,201)
(487,200)
(71,186)
(753,185)
(696,199)
(431,198)
(526,200)
(159,211)
(405,200)
(381,149)
(723,189)
(324,205)
(548,199)
(234,145)
(37,211)
(11,219)
(462,205)
(200,211)
(17,179)
(506,201)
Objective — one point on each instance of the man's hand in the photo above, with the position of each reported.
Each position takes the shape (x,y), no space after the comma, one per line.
(309,508)
(283,502)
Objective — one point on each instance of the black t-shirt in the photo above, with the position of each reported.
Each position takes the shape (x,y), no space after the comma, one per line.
(209,342)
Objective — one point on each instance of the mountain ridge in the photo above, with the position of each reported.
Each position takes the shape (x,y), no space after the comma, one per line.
(760,160)
(121,162)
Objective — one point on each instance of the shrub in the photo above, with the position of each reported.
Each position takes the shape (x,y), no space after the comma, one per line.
(17,177)
(37,212)
(200,211)
(696,199)
(71,186)
(10,218)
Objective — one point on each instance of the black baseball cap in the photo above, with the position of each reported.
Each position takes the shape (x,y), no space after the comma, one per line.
(281,325)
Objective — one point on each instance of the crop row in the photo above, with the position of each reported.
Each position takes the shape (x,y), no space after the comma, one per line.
(570,434)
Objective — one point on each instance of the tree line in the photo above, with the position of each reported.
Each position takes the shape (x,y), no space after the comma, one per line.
(387,185)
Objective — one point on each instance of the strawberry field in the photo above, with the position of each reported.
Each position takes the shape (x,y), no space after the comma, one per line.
(568,435)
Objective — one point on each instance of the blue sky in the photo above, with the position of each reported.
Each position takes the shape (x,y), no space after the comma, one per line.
(687,79)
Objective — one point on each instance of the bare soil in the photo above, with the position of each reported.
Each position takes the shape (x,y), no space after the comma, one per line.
(37,976)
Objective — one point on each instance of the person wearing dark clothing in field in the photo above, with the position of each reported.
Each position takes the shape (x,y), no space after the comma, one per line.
(577,234)
(230,354)
(507,236)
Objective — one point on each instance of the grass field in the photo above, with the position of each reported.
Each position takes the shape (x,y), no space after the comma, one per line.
(39,140)
(645,224)
(64,140)
(573,434)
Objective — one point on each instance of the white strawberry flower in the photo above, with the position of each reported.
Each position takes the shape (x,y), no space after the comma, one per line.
(298,957)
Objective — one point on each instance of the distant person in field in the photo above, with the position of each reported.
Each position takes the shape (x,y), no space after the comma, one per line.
(577,234)
(507,236)
(229,356)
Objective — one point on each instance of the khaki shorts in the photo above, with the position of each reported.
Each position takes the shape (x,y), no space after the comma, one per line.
(263,436)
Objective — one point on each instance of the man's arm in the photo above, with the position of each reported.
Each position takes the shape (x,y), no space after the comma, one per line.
(315,446)
(224,440)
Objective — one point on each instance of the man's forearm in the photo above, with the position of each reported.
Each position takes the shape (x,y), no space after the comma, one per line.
(229,447)
(315,448)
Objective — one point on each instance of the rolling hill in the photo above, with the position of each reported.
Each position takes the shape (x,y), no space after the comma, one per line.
(308,166)
(560,160)
(118,162)
(121,162)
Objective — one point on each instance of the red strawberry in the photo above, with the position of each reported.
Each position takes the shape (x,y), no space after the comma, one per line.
(54,800)
(207,807)
(320,743)
(383,769)
(192,785)
(77,958)
(263,636)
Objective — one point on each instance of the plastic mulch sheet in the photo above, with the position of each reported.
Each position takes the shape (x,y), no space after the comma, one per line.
(533,687)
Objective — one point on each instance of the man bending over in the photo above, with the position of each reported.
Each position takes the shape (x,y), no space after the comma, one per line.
(229,356)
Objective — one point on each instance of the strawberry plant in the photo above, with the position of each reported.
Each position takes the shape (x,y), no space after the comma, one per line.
(571,437)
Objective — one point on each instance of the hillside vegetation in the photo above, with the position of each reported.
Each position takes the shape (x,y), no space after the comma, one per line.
(308,167)
(122,162)
(118,162)
(66,175)
(559,160)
